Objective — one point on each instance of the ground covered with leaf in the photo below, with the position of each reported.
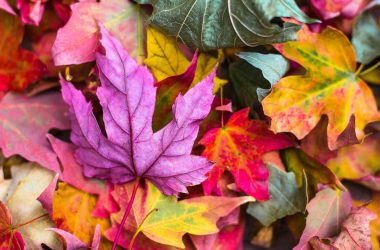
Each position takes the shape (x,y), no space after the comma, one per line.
(190,124)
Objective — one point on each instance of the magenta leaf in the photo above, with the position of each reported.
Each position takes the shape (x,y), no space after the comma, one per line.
(131,149)
(73,243)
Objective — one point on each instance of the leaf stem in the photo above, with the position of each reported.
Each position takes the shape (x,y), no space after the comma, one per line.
(370,69)
(359,69)
(139,228)
(28,222)
(221,103)
(127,211)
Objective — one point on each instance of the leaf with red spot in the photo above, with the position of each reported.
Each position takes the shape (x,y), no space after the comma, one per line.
(238,147)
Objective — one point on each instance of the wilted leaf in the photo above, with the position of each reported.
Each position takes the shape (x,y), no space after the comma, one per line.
(209,25)
(286,198)
(238,147)
(329,87)
(170,219)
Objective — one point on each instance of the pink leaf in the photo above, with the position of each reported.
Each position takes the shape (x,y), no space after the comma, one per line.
(78,40)
(24,123)
(46,197)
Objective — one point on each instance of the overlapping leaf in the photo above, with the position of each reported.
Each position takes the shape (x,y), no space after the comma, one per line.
(211,25)
(130,149)
(238,147)
(165,220)
(329,87)
(19,67)
(25,122)
(78,40)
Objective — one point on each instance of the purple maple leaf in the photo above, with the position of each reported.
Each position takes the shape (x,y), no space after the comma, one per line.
(131,149)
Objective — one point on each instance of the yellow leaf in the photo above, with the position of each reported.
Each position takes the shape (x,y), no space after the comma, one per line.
(72,210)
(164,57)
(166,219)
(329,87)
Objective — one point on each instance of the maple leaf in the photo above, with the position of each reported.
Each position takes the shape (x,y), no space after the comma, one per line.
(19,67)
(72,210)
(25,122)
(238,147)
(9,237)
(355,232)
(165,220)
(326,211)
(131,150)
(329,87)
(72,174)
(78,40)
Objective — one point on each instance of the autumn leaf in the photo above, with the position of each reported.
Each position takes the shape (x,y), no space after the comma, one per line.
(286,198)
(9,237)
(78,40)
(238,148)
(208,25)
(326,211)
(28,216)
(358,162)
(329,87)
(165,220)
(72,174)
(72,210)
(329,9)
(131,150)
(25,122)
(355,232)
(19,67)
(174,73)
(230,237)
(309,172)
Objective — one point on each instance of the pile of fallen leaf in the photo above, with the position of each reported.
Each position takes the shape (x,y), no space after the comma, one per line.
(197,124)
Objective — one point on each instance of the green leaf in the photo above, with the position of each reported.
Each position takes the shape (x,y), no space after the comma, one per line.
(287,198)
(308,171)
(366,34)
(217,24)
(272,66)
